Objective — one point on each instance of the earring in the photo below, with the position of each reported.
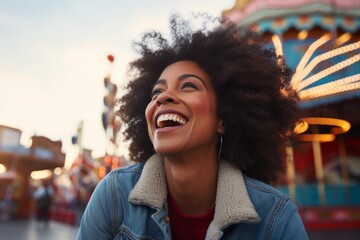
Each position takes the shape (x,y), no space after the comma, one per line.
(220,148)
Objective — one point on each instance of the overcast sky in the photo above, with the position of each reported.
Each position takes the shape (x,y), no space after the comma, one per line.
(53,59)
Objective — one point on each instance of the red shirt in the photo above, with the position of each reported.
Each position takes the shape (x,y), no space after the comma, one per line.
(184,226)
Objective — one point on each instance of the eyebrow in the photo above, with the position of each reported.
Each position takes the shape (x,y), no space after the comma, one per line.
(180,78)
(184,76)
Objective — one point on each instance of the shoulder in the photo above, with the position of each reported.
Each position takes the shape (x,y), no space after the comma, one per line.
(279,215)
(123,178)
(131,169)
(129,173)
(116,186)
(258,187)
(268,200)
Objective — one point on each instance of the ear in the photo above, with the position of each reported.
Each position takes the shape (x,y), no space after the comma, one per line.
(221,127)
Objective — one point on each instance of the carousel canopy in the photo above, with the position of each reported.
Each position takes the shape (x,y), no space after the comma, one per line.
(326,64)
(277,16)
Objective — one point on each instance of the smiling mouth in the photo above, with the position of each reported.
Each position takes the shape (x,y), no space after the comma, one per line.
(170,120)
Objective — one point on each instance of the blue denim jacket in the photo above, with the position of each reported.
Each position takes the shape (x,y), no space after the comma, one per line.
(130,203)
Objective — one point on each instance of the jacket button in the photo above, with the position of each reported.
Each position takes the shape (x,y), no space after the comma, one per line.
(166,219)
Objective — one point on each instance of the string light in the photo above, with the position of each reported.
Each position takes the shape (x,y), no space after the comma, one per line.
(277,45)
(339,126)
(309,52)
(316,137)
(304,68)
(342,85)
(328,71)
(303,34)
(325,56)
(301,127)
(343,38)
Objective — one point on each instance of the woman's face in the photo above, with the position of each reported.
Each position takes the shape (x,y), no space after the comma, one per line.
(182,114)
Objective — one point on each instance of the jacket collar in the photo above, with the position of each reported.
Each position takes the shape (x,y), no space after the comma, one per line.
(151,188)
(233,204)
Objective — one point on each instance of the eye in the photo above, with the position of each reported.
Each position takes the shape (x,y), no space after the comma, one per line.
(189,85)
(155,92)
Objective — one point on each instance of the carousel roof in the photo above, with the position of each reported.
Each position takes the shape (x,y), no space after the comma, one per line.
(326,69)
(278,16)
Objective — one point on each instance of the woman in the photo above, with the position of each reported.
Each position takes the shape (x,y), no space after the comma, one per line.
(208,117)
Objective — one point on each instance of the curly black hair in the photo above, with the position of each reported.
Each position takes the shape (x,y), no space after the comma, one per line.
(255,101)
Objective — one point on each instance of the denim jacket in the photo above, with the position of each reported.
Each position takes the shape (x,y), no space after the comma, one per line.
(131,203)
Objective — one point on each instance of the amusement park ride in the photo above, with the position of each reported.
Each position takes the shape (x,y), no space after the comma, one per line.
(320,41)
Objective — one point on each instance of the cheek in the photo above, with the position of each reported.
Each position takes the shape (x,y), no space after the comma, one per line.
(207,114)
(148,112)
(206,107)
(148,116)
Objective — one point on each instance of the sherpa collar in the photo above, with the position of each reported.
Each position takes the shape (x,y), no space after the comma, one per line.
(233,204)
(151,188)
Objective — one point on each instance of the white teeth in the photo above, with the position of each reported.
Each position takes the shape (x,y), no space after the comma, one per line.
(169,116)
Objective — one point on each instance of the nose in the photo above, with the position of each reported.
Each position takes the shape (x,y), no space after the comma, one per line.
(165,97)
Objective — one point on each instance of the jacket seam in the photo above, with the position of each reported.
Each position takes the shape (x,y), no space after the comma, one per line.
(114,212)
(127,170)
(274,217)
(263,189)
(275,214)
(115,215)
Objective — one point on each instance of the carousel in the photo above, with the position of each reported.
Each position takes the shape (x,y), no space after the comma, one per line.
(17,163)
(320,41)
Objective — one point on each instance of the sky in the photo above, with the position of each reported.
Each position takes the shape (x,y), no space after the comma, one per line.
(53,59)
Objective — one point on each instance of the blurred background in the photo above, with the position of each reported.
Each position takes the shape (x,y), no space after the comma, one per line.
(63,63)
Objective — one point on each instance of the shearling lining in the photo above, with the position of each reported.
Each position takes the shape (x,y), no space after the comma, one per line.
(233,204)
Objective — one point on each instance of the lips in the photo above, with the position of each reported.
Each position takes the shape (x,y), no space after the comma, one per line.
(170,119)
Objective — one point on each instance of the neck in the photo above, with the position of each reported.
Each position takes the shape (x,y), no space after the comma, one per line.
(192,182)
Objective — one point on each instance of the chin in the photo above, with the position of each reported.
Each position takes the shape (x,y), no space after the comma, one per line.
(167,150)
